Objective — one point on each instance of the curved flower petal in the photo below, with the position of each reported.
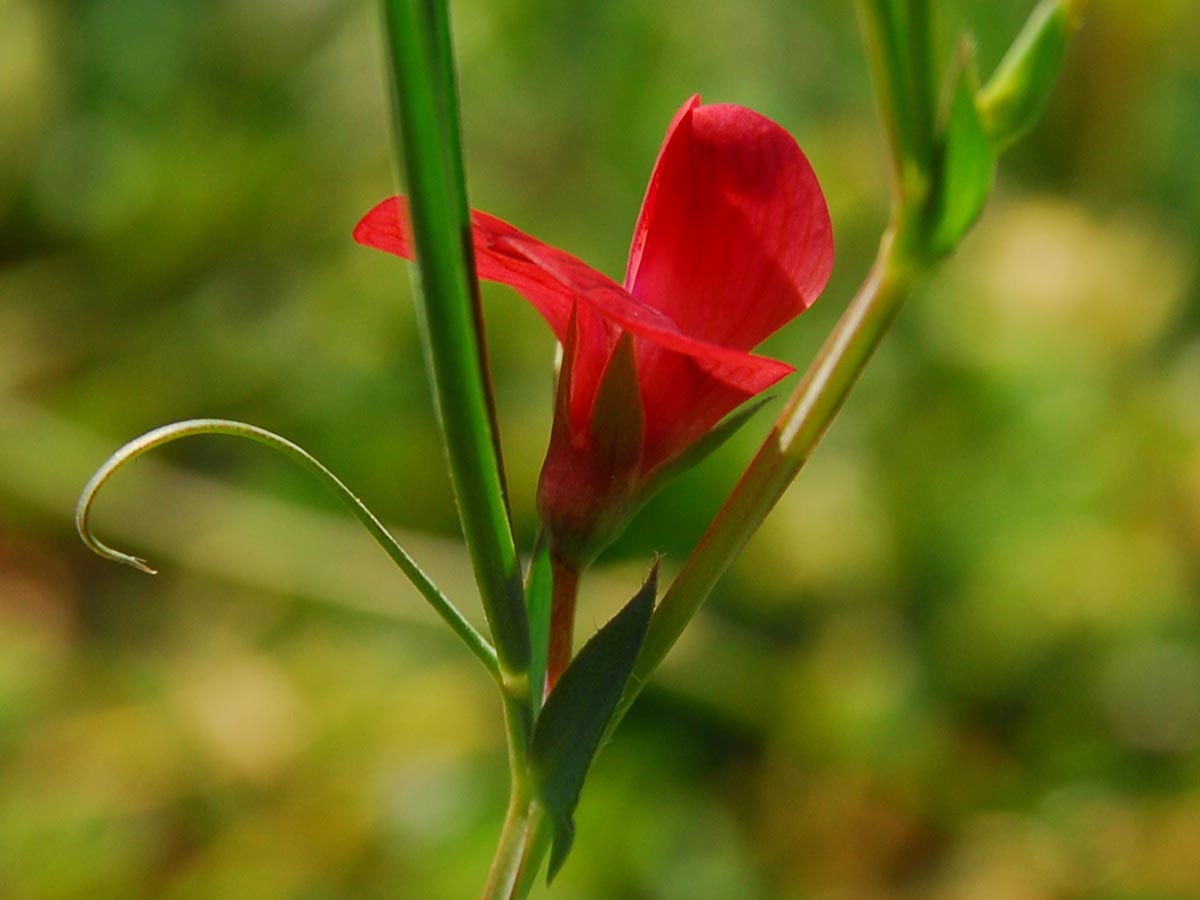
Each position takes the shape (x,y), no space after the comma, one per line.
(734,238)
(499,257)
(707,390)
(552,280)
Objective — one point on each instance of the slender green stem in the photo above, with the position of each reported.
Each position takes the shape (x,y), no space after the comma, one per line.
(451,319)
(898,47)
(525,837)
(441,604)
(438,12)
(510,849)
(898,34)
(537,845)
(883,54)
(803,423)
(807,415)
(449,313)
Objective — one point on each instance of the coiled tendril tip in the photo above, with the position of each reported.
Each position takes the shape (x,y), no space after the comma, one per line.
(441,604)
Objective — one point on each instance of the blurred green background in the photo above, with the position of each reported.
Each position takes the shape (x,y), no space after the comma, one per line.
(962,659)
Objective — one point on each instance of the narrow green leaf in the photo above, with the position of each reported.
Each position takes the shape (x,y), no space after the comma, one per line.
(1013,99)
(539,591)
(567,735)
(966,162)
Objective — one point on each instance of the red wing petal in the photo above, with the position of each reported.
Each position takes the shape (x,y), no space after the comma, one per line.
(734,238)
(500,255)
(551,279)
(687,385)
(675,369)
(683,396)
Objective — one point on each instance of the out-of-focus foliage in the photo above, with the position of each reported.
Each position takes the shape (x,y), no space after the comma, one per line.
(962,659)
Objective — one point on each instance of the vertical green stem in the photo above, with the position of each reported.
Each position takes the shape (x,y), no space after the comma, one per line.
(537,845)
(896,33)
(448,310)
(510,850)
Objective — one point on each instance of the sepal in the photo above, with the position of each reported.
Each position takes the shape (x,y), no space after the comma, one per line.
(617,426)
(589,479)
(965,159)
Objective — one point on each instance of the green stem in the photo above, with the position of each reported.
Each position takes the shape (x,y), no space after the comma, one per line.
(510,876)
(537,845)
(896,34)
(451,320)
(507,860)
(803,423)
(441,604)
(449,314)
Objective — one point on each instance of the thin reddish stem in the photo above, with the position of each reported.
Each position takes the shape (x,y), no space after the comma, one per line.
(562,618)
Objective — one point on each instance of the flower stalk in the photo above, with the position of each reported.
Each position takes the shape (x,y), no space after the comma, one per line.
(511,848)
(562,618)
(805,420)
(897,38)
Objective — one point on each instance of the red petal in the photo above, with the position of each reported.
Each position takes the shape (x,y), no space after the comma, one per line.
(684,396)
(552,280)
(734,238)
(498,257)
(688,385)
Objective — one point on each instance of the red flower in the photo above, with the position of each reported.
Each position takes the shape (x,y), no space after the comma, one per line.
(733,241)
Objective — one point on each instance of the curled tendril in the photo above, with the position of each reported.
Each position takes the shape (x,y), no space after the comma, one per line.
(441,604)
